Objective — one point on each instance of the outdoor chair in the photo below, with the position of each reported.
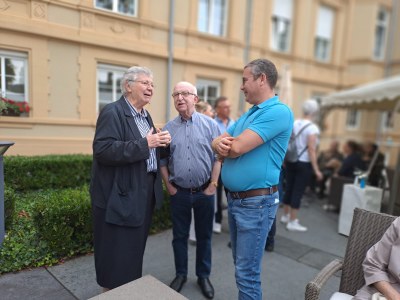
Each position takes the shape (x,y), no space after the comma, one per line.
(367,229)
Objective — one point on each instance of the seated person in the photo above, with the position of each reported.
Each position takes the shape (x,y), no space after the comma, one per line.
(328,161)
(375,177)
(382,267)
(353,160)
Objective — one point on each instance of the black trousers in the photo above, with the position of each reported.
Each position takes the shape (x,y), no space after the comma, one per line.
(297,178)
(119,250)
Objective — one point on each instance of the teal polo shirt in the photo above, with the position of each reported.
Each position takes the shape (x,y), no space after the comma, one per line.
(259,168)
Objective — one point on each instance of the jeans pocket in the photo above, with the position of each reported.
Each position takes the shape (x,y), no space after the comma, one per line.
(256,202)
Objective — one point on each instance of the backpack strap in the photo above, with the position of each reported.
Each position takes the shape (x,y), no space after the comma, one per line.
(301,130)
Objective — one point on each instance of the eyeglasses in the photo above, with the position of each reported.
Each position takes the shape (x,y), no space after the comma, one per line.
(145,82)
(184,94)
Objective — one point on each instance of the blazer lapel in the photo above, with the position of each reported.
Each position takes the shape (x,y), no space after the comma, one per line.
(129,118)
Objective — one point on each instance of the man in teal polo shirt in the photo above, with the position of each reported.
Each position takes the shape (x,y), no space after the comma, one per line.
(253,150)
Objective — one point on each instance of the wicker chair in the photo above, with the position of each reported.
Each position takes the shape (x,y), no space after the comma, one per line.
(367,228)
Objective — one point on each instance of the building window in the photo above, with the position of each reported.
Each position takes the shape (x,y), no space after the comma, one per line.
(353,119)
(108,84)
(387,120)
(281,25)
(212,16)
(127,7)
(14,76)
(208,90)
(323,38)
(381,30)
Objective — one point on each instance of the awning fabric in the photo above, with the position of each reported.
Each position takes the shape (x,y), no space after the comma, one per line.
(379,95)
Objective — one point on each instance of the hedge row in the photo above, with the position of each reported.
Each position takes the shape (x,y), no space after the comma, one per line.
(24,173)
(46,223)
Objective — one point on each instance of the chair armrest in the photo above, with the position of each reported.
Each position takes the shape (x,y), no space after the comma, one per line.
(313,288)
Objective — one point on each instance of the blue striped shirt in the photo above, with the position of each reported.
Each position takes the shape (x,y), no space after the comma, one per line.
(144,128)
(191,157)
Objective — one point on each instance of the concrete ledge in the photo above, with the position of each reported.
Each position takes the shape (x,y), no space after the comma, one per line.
(145,288)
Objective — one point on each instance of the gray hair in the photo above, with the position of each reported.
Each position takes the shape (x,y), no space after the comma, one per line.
(132,74)
(264,66)
(310,107)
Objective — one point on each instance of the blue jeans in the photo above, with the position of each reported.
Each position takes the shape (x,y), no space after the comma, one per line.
(250,219)
(181,212)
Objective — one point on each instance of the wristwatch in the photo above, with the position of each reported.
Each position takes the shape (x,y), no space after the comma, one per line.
(214,183)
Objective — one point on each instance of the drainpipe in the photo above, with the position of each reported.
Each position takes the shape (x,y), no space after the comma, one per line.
(170,58)
(246,53)
(390,38)
(394,190)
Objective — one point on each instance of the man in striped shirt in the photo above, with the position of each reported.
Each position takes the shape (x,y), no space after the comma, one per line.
(190,173)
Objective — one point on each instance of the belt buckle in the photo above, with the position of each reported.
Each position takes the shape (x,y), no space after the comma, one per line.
(235,195)
(271,190)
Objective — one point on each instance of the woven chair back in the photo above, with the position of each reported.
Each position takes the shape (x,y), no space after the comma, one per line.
(367,229)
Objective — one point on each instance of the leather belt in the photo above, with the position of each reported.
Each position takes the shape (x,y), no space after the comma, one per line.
(253,193)
(194,189)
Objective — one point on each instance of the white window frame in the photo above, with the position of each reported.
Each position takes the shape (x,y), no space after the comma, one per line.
(282,14)
(324,33)
(115,8)
(206,83)
(353,119)
(114,70)
(387,120)
(210,20)
(379,50)
(16,55)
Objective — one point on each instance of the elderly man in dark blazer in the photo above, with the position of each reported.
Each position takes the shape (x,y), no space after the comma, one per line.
(126,181)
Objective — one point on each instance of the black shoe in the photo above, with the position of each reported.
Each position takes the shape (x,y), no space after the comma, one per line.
(178,283)
(206,287)
(230,245)
(269,248)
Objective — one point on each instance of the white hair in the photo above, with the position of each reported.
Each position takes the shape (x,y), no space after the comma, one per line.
(310,107)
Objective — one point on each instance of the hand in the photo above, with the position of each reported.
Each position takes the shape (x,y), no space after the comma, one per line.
(319,175)
(223,146)
(171,189)
(158,139)
(210,190)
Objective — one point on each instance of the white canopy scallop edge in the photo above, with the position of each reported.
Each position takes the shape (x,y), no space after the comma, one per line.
(378,95)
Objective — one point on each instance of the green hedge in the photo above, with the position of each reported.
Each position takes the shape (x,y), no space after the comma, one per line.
(10,197)
(63,219)
(49,219)
(24,173)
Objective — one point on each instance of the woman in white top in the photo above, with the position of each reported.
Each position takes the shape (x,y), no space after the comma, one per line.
(298,173)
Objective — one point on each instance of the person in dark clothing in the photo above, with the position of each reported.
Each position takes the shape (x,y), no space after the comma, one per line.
(374,164)
(353,160)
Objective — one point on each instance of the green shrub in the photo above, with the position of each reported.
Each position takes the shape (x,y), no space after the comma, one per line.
(22,247)
(162,217)
(63,219)
(48,210)
(10,197)
(24,173)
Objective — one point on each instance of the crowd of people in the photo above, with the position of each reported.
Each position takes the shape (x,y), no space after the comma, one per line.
(201,156)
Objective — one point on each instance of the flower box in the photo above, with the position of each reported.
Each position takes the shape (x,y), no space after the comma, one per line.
(13,108)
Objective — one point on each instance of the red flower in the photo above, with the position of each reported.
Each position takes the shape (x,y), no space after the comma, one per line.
(22,106)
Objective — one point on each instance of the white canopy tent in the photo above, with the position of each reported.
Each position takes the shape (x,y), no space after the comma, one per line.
(379,95)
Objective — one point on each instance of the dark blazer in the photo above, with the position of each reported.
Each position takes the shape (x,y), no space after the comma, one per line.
(119,171)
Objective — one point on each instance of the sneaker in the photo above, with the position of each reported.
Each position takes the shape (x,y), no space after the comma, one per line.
(217,228)
(295,226)
(285,219)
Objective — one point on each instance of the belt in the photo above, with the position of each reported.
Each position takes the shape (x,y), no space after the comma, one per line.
(253,193)
(194,189)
